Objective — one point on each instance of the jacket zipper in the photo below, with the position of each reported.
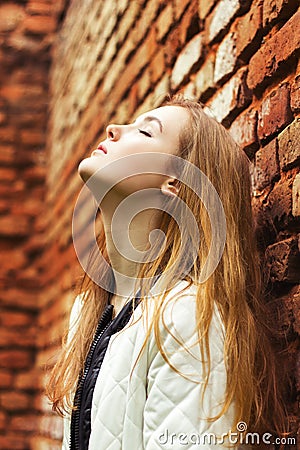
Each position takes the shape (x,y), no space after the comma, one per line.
(76,413)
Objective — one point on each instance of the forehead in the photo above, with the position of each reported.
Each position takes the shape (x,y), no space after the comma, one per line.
(172,117)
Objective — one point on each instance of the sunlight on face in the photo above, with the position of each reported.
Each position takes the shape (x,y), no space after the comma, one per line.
(156,131)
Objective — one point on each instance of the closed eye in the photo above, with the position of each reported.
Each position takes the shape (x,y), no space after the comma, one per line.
(145,133)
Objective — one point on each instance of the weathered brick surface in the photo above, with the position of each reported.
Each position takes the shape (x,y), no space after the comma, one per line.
(278,9)
(226,58)
(275,52)
(266,165)
(296,196)
(189,56)
(248,31)
(274,113)
(231,99)
(289,145)
(205,7)
(283,261)
(26,33)
(244,130)
(111,61)
(295,94)
(204,80)
(278,207)
(222,15)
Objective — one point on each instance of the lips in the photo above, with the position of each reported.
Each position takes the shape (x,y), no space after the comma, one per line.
(100,150)
(101,147)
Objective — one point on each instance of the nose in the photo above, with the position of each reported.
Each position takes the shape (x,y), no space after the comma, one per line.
(113,132)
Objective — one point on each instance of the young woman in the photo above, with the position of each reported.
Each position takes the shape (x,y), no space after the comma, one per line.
(165,351)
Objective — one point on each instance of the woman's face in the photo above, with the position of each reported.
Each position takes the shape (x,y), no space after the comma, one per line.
(156,131)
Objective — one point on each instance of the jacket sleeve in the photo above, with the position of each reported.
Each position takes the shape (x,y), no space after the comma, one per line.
(175,415)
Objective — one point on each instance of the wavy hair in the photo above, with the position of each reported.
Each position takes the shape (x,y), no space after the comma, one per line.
(235,286)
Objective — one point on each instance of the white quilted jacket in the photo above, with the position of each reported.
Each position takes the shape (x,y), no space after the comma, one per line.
(155,407)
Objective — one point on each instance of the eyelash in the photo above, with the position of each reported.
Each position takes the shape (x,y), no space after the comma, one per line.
(145,133)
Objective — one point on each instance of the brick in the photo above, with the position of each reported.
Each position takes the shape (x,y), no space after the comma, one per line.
(189,91)
(136,64)
(243,131)
(13,92)
(144,84)
(35,244)
(282,261)
(15,359)
(186,60)
(278,10)
(39,7)
(35,174)
(222,16)
(164,22)
(226,58)
(5,379)
(232,98)
(127,21)
(28,423)
(278,206)
(281,312)
(30,207)
(32,137)
(180,6)
(274,113)
(173,46)
(28,278)
(23,337)
(295,95)
(40,24)
(296,196)
(7,174)
(289,145)
(204,84)
(296,310)
(15,400)
(20,298)
(275,52)
(9,227)
(248,31)
(8,134)
(10,16)
(15,319)
(3,420)
(27,380)
(157,66)
(12,441)
(146,20)
(205,7)
(190,25)
(122,5)
(3,117)
(266,165)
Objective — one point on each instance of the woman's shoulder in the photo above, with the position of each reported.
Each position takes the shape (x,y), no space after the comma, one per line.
(180,310)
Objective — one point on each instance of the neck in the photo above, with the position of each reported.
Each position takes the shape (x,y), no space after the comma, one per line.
(127,240)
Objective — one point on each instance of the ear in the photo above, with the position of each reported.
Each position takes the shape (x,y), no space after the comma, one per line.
(170,187)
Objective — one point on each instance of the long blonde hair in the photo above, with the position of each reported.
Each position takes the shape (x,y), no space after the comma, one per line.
(235,286)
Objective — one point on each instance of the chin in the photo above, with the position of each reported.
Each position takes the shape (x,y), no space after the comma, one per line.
(84,169)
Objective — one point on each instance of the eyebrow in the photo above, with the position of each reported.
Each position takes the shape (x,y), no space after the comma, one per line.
(153,118)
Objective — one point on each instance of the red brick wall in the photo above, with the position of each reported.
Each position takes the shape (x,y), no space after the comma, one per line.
(112,59)
(26,34)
